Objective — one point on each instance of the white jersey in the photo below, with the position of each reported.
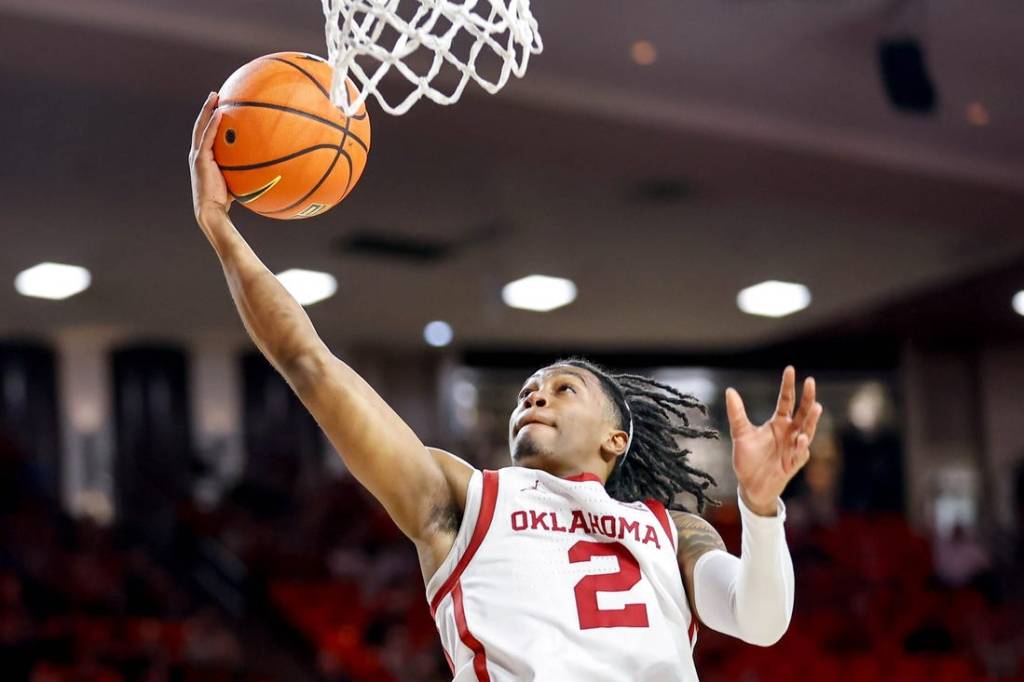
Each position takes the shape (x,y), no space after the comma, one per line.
(552,580)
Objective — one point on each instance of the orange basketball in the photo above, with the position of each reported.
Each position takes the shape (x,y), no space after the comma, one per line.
(285,150)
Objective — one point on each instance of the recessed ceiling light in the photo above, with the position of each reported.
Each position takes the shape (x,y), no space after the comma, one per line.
(54,281)
(539,292)
(1018,302)
(977,114)
(438,333)
(643,52)
(308,286)
(773,298)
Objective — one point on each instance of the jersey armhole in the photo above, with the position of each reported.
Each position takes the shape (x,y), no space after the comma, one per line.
(481,496)
(469,516)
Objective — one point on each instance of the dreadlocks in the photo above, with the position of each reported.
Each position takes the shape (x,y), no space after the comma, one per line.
(656,467)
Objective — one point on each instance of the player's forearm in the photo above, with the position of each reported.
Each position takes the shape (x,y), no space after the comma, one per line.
(765,586)
(275,321)
(751,596)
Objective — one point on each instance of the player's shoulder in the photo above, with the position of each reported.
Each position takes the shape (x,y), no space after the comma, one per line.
(696,534)
(457,472)
(685,519)
(688,523)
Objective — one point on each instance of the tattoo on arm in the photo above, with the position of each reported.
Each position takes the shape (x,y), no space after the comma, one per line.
(696,537)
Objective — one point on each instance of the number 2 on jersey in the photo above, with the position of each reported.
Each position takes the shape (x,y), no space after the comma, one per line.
(628,575)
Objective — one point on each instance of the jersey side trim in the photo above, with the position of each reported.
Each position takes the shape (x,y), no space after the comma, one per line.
(479,657)
(673,534)
(483,522)
(659,510)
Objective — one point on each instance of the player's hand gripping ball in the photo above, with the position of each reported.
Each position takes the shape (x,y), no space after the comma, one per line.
(285,150)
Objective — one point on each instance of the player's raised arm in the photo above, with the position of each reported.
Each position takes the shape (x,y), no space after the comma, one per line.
(751,596)
(378,447)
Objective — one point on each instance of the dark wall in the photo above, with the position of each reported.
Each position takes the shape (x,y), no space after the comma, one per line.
(282,440)
(28,412)
(152,432)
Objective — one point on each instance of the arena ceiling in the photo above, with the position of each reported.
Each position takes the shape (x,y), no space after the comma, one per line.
(759,145)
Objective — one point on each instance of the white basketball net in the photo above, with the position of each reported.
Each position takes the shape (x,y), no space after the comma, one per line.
(366,39)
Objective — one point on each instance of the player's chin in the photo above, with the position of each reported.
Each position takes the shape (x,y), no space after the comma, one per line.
(526,448)
(519,456)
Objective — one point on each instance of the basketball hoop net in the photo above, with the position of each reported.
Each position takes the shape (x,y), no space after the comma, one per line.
(366,39)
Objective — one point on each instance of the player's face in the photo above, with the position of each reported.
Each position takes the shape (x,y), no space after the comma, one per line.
(560,419)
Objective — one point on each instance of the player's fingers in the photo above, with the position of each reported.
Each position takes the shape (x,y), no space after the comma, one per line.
(786,453)
(210,134)
(806,403)
(738,422)
(801,453)
(787,393)
(811,425)
(205,114)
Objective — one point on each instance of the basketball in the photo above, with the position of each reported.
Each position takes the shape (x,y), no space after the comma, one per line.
(285,150)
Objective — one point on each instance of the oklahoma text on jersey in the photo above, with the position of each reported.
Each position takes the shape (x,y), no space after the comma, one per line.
(614,527)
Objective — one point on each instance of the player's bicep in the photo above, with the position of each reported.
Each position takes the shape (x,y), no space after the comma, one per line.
(377,446)
(696,538)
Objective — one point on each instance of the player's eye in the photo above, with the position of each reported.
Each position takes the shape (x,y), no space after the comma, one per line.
(568,386)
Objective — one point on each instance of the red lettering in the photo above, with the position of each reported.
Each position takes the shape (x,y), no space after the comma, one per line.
(518,520)
(554,523)
(629,526)
(578,522)
(652,536)
(538,520)
(608,526)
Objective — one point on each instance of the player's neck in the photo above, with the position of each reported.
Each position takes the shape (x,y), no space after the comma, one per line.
(571,474)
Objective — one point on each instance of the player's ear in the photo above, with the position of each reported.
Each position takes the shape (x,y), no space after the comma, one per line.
(614,443)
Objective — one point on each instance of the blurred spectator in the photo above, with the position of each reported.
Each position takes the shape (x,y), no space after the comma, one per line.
(210,643)
(959,558)
(872,452)
(872,470)
(811,498)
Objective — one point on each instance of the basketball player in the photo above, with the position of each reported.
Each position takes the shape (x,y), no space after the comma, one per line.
(567,565)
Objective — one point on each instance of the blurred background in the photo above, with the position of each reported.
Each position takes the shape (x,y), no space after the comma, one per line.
(169,510)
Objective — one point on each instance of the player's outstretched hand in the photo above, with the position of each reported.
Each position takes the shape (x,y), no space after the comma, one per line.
(209,191)
(766,457)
